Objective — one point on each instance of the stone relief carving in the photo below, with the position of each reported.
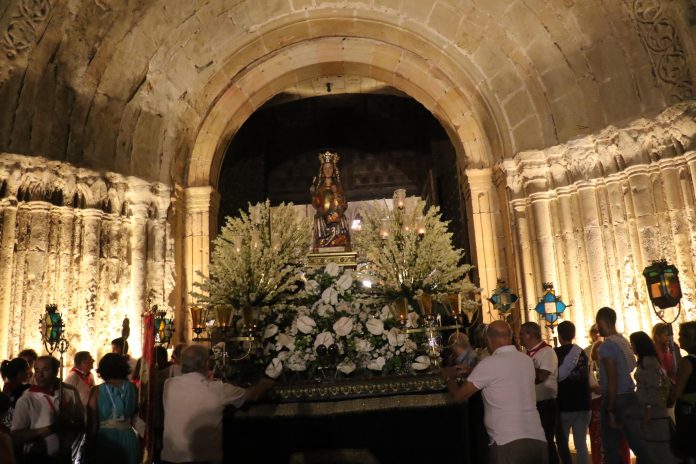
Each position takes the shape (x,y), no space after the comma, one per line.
(659,34)
(670,134)
(25,26)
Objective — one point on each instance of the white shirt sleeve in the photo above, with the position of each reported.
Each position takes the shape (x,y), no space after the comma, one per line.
(483,374)
(21,418)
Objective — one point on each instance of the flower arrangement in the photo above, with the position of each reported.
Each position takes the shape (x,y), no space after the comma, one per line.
(407,251)
(257,257)
(332,332)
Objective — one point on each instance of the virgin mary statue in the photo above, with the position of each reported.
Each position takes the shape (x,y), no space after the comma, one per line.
(330,223)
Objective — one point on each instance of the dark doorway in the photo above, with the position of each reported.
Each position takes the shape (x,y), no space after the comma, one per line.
(385,142)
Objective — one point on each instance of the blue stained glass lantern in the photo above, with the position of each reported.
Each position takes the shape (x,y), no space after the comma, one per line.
(662,280)
(503,299)
(550,306)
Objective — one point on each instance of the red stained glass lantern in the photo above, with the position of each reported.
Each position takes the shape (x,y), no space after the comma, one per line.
(662,280)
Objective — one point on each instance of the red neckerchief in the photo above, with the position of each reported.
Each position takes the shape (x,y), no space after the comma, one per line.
(537,348)
(84,377)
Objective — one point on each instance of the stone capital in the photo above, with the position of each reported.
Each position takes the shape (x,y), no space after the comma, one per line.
(205,199)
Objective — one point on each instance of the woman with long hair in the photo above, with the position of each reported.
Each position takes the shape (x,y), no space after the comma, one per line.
(649,377)
(667,350)
(16,374)
(110,412)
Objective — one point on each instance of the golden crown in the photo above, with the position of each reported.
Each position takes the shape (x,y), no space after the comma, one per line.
(328,157)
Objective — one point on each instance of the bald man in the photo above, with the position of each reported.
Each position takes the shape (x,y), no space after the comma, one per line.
(506,380)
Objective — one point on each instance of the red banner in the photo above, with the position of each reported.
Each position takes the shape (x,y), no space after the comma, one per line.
(147,385)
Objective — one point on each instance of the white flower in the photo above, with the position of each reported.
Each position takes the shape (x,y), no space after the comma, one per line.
(343,326)
(346,366)
(274,369)
(362,345)
(330,296)
(412,319)
(375,326)
(296,363)
(386,313)
(422,363)
(284,355)
(396,337)
(285,340)
(270,330)
(312,287)
(376,364)
(409,346)
(345,281)
(332,269)
(305,324)
(324,310)
(345,307)
(324,338)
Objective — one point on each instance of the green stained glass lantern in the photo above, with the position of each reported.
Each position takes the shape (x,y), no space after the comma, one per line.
(550,306)
(662,280)
(51,326)
(503,299)
(164,327)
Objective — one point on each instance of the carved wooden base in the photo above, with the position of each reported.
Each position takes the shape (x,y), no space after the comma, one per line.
(343,259)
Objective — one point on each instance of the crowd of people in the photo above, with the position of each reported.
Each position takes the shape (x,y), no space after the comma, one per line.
(627,394)
(81,420)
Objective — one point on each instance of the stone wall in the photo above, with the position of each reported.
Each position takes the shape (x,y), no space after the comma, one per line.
(589,215)
(97,245)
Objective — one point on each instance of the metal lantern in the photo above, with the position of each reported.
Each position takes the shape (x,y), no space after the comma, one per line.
(550,306)
(503,299)
(223,316)
(51,326)
(197,320)
(662,280)
(164,327)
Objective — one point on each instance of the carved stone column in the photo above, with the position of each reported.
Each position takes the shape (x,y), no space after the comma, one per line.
(8,210)
(201,226)
(488,239)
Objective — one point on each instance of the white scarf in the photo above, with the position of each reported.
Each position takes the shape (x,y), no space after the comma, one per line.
(625,346)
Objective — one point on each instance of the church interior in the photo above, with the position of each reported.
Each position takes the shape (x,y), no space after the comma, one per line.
(558,139)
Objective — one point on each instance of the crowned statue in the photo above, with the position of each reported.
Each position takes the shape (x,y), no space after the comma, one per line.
(330,225)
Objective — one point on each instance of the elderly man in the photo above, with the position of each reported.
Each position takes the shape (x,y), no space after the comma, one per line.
(462,353)
(46,425)
(506,379)
(193,406)
(546,386)
(80,375)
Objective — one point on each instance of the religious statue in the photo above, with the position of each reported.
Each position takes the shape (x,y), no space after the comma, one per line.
(330,223)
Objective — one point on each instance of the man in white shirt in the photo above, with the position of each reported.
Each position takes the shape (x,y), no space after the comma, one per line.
(46,425)
(193,406)
(546,383)
(80,375)
(506,379)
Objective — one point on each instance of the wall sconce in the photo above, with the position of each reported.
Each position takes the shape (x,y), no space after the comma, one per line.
(550,306)
(503,299)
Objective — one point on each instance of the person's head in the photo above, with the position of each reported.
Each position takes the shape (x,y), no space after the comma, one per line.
(606,321)
(195,358)
(594,333)
(498,334)
(459,342)
(176,354)
(642,346)
(118,345)
(566,332)
(46,371)
(84,361)
(30,356)
(15,371)
(327,170)
(687,336)
(113,366)
(662,333)
(530,334)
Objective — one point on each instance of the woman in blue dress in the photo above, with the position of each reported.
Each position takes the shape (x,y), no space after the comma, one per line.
(111,409)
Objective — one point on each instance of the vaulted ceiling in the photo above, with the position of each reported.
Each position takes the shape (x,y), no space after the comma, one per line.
(157,88)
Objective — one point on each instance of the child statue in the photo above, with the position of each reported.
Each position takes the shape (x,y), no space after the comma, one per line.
(330,223)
